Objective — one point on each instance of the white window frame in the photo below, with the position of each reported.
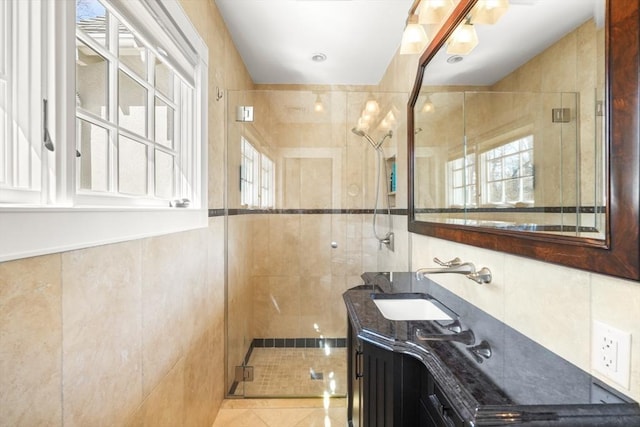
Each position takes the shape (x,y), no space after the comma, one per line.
(257,177)
(475,166)
(469,184)
(249,174)
(59,223)
(484,170)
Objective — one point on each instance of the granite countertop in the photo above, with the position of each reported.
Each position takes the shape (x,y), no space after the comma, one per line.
(522,383)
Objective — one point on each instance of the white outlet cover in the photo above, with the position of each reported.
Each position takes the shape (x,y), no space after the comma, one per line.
(611,353)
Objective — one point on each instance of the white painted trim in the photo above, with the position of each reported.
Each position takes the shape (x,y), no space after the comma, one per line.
(63,225)
(33,232)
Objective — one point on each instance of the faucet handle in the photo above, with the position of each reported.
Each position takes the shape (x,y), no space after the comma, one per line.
(450,263)
(481,351)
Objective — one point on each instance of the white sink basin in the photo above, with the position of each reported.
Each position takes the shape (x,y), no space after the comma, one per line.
(410,309)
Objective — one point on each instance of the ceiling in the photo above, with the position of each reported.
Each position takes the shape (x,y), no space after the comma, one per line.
(278,38)
(526,29)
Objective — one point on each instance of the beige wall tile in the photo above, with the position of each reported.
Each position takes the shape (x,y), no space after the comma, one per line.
(164,407)
(551,305)
(101,322)
(315,245)
(617,303)
(171,267)
(31,342)
(277,307)
(489,297)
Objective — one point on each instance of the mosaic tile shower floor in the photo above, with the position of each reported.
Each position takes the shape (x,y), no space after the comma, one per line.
(297,372)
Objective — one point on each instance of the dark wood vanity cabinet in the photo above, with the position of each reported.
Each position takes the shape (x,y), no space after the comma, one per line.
(388,389)
(354,382)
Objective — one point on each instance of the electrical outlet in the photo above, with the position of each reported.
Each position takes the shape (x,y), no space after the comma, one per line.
(611,352)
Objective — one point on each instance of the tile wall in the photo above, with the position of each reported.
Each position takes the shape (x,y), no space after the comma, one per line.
(131,333)
(123,334)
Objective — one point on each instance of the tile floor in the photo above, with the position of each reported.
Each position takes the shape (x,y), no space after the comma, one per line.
(282,413)
(296,372)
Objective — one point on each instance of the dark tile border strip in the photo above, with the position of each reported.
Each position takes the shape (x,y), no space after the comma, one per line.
(296,343)
(216,212)
(231,212)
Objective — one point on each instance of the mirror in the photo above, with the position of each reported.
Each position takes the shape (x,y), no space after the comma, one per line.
(522,143)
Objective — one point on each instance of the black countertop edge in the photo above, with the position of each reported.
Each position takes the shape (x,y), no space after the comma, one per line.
(617,415)
(366,323)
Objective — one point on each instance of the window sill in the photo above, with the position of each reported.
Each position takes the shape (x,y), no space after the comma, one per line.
(28,232)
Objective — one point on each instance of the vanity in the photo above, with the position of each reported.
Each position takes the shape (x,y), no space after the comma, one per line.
(500,377)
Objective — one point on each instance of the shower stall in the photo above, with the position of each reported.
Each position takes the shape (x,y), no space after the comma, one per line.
(301,197)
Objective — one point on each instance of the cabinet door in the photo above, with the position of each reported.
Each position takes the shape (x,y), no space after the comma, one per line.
(378,404)
(354,382)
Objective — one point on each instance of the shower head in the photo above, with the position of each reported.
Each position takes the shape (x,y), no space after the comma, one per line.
(366,136)
(386,135)
(362,133)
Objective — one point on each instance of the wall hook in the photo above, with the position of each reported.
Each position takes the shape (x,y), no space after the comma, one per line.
(219,93)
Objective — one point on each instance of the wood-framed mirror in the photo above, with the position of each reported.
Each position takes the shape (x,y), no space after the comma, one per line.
(567,213)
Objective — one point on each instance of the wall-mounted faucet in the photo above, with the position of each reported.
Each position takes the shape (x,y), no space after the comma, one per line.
(457,266)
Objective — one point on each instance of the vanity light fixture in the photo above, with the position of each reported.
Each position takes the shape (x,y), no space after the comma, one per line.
(463,40)
(318,106)
(489,11)
(434,11)
(366,117)
(428,106)
(388,121)
(371,106)
(414,38)
(363,125)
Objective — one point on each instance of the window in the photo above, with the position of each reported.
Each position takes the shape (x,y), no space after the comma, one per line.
(22,157)
(508,172)
(249,174)
(506,176)
(462,178)
(102,124)
(257,177)
(140,112)
(267,182)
